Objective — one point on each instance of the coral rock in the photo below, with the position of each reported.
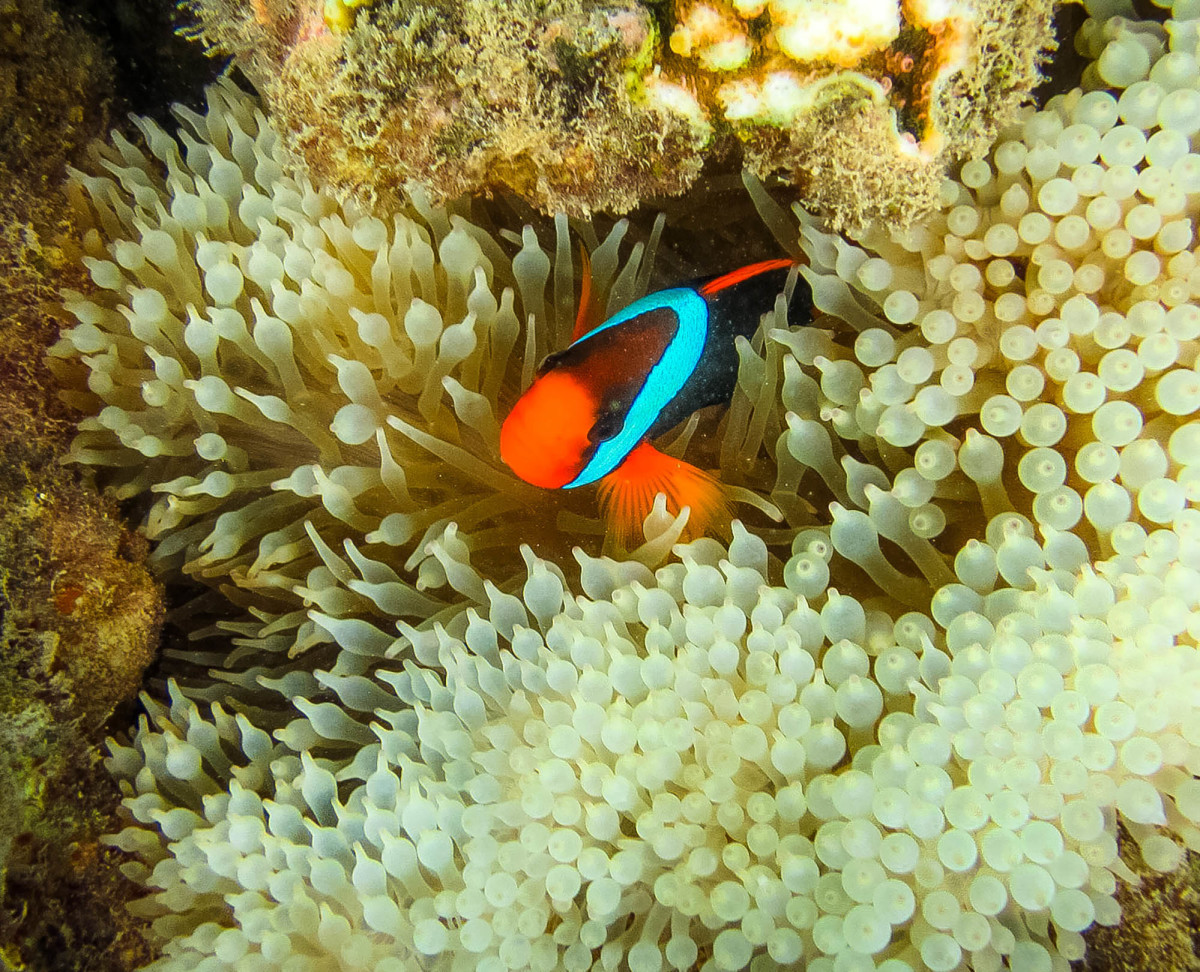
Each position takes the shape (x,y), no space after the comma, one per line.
(468,97)
(597,106)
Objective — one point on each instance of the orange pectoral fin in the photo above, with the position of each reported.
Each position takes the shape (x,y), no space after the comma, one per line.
(627,494)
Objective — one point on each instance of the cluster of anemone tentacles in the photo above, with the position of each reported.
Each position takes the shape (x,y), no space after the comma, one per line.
(901,741)
(287,377)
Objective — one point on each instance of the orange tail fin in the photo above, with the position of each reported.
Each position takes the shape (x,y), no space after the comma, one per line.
(627,494)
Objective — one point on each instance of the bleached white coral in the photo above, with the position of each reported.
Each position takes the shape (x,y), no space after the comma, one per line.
(713,36)
(842,32)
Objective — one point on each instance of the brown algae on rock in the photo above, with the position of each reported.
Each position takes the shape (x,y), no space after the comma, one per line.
(54,88)
(1160,921)
(78,611)
(547,102)
(80,625)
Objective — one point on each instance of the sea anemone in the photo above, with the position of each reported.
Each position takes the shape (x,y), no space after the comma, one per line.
(687,766)
(291,378)
(900,736)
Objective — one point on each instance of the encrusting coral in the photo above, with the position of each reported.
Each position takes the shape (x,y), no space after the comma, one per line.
(589,105)
(903,740)
(862,102)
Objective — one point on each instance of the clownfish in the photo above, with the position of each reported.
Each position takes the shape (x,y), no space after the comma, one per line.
(593,407)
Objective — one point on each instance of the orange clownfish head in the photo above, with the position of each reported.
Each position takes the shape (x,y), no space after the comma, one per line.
(548,436)
(589,407)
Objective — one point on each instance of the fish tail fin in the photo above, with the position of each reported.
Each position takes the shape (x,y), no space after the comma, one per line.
(627,494)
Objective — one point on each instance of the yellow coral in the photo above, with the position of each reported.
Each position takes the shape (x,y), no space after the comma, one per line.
(340,14)
(842,32)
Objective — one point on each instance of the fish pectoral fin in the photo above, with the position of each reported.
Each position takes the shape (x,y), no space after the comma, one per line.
(627,494)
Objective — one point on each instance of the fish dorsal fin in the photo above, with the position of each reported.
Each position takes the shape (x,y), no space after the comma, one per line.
(627,494)
(585,317)
(734,277)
